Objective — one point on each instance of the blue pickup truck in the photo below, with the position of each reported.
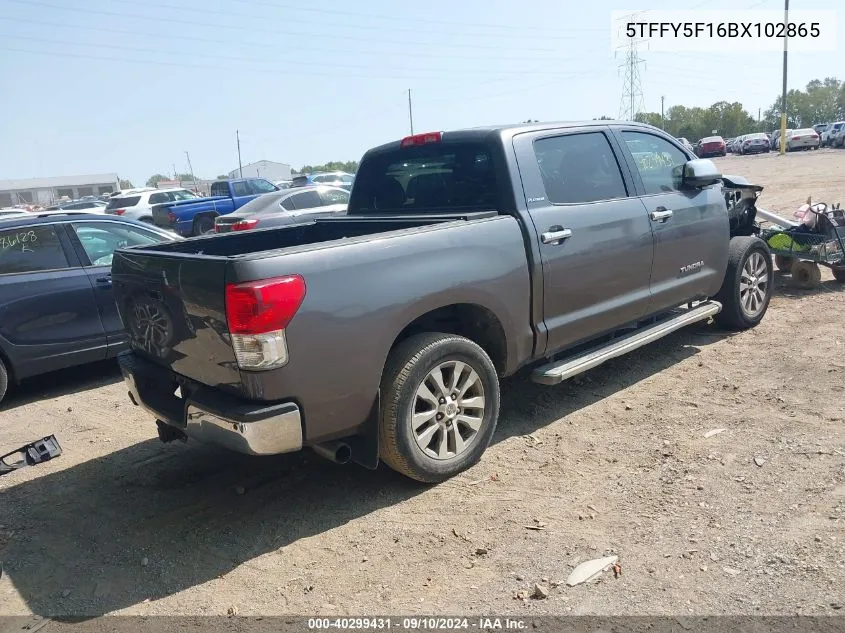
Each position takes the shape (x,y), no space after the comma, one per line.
(196,217)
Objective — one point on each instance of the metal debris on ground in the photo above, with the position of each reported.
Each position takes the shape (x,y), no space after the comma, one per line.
(713,432)
(36,452)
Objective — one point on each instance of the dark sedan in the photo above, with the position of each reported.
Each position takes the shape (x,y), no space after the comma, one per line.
(56,304)
(298,204)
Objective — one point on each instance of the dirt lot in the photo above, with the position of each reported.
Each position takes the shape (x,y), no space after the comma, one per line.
(615,461)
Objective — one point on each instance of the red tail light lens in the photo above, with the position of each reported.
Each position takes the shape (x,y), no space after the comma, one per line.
(244,225)
(172,217)
(119,211)
(814,135)
(422,139)
(267,305)
(796,138)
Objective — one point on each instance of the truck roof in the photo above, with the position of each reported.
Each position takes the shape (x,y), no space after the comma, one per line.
(509,130)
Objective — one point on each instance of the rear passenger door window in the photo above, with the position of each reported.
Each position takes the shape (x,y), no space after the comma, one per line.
(579,168)
(31,249)
(306,200)
(158,198)
(659,163)
(240,189)
(262,186)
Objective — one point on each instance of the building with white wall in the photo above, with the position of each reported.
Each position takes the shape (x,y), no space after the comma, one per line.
(45,191)
(267,169)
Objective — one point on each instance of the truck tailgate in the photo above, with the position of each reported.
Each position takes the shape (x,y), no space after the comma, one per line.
(174,309)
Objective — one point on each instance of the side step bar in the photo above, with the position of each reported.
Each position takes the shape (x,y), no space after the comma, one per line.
(556,372)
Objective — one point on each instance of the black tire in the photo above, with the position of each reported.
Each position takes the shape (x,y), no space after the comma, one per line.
(784,263)
(839,274)
(805,274)
(734,316)
(203,225)
(4,380)
(408,367)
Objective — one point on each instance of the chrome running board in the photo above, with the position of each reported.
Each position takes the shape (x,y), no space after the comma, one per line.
(556,372)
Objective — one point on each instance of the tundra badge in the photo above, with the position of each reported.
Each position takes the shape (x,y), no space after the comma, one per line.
(691,268)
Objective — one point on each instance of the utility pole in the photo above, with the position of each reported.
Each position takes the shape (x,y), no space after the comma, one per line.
(662,120)
(410,111)
(783,101)
(240,166)
(175,175)
(194,178)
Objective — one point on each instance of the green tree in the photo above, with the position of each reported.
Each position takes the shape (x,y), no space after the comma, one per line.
(125,184)
(184,177)
(223,177)
(350,167)
(153,180)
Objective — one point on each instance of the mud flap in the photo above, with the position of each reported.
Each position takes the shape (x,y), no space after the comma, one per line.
(365,445)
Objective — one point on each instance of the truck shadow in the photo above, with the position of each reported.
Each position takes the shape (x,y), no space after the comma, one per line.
(152,520)
(62,382)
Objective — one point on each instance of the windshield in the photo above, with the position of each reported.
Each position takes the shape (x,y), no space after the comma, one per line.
(430,178)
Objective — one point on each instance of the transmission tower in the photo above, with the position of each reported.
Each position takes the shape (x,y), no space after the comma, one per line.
(632,89)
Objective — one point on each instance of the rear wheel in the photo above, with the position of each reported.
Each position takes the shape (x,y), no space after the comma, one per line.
(806,274)
(203,225)
(440,395)
(747,287)
(784,263)
(839,274)
(4,380)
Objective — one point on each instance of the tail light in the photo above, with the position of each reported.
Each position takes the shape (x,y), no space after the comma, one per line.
(814,136)
(257,313)
(118,211)
(796,138)
(244,225)
(172,217)
(421,139)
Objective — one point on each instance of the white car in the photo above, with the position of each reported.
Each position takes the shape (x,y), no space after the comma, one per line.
(138,205)
(830,132)
(685,142)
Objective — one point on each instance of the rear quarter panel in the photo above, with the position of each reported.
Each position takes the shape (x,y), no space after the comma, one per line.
(362,294)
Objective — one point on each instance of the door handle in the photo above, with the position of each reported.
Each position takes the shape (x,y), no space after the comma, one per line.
(660,214)
(555,235)
(104,281)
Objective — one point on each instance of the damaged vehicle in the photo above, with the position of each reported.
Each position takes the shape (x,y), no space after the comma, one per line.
(464,256)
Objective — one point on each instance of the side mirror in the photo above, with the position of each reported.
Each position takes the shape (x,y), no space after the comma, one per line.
(700,173)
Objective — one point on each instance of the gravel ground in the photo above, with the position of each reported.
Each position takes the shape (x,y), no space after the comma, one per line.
(750,520)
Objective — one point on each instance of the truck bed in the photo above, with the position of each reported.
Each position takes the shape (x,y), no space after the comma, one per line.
(254,243)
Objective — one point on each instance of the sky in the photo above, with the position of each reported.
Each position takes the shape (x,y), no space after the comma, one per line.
(130,86)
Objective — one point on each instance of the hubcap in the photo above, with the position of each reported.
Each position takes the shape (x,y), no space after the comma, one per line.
(754,285)
(448,410)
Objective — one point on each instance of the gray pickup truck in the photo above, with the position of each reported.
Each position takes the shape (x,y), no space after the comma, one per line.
(464,256)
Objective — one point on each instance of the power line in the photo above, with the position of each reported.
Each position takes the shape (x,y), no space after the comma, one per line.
(323,23)
(216,42)
(258,29)
(323,11)
(415,71)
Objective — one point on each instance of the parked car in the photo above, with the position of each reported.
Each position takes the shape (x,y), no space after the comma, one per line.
(283,184)
(685,142)
(802,139)
(290,206)
(711,146)
(6,214)
(837,139)
(753,143)
(334,178)
(831,131)
(464,256)
(89,206)
(729,143)
(820,128)
(56,306)
(139,205)
(196,217)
